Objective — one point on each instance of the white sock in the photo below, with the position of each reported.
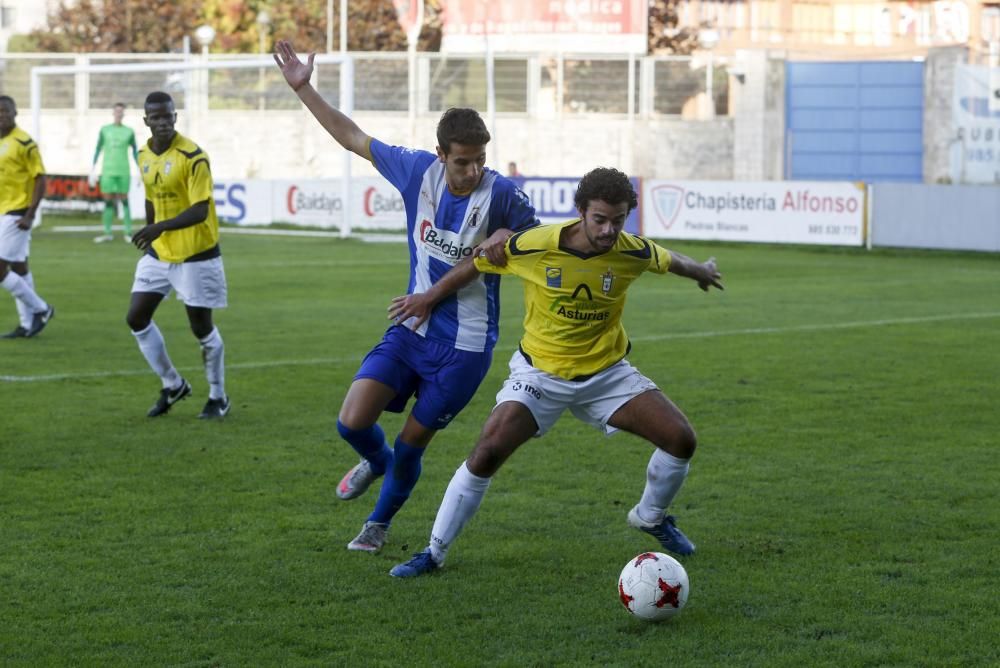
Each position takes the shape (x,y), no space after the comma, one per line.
(213,352)
(20,288)
(461,501)
(24,313)
(154,349)
(664,476)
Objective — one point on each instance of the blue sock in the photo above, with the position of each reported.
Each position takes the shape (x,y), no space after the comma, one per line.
(370,444)
(397,487)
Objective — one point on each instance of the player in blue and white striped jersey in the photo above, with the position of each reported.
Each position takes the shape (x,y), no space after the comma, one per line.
(454,204)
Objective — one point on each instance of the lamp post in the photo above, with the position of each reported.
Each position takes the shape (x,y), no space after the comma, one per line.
(709,39)
(263,28)
(205,35)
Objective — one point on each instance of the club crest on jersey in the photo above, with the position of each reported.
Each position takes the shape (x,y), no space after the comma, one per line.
(474,218)
(553,277)
(166,167)
(607,280)
(145,168)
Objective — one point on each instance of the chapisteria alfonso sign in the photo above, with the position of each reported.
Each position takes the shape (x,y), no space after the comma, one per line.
(588,26)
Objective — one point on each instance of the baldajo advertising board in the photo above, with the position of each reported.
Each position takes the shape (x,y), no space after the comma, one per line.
(375,204)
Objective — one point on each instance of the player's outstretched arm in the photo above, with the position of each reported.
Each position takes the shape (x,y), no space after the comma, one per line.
(420,304)
(705,273)
(340,127)
(494,248)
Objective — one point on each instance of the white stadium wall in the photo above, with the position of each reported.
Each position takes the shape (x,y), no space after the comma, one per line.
(907,215)
(290,144)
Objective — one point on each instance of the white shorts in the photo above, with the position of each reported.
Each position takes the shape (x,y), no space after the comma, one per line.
(15,243)
(593,401)
(197,283)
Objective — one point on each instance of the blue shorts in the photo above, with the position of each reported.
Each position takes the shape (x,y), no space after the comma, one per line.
(443,378)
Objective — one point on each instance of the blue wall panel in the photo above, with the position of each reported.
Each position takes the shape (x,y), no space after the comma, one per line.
(857,121)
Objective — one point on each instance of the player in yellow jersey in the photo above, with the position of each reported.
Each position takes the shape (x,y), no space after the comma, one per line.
(22,184)
(181,244)
(572,356)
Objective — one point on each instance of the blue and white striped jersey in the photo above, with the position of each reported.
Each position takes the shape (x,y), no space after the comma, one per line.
(443,229)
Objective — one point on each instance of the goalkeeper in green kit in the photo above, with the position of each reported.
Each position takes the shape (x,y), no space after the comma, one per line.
(115,140)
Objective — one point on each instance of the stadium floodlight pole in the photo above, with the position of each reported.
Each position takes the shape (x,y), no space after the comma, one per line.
(346,96)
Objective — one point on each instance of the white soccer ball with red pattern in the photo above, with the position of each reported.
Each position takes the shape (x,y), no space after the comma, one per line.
(653,586)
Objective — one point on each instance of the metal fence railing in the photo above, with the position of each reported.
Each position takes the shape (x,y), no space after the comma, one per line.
(533,85)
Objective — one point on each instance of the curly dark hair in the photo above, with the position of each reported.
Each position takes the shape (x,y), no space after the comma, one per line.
(606,184)
(461,126)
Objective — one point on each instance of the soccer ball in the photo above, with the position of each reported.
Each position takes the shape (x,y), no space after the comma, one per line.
(653,586)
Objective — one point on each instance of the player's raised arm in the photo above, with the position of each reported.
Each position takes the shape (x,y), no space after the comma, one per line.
(706,273)
(340,127)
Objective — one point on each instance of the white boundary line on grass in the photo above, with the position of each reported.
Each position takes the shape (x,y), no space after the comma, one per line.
(816,328)
(374,237)
(655,337)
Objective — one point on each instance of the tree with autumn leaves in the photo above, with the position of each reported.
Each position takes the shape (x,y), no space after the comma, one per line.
(159,26)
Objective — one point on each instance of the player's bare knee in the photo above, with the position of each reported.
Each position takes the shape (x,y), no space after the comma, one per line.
(136,322)
(486,459)
(687,441)
(353,420)
(200,331)
(680,441)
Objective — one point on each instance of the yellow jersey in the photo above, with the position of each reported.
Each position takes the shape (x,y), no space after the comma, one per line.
(175,180)
(573,302)
(20,164)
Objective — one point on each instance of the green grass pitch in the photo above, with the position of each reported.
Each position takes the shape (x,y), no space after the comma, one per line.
(844,496)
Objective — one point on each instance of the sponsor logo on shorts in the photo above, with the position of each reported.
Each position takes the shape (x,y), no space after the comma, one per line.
(518,386)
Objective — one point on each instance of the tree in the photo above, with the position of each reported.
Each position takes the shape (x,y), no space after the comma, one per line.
(663,31)
(159,26)
(151,26)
